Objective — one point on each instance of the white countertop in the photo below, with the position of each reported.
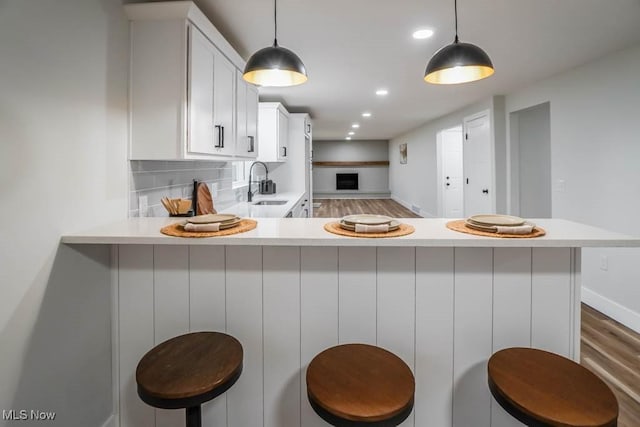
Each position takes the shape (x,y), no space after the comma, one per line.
(249,210)
(310,232)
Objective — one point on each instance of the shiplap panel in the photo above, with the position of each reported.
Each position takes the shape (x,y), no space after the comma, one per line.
(396,305)
(551,315)
(576,301)
(208,311)
(281,299)
(244,321)
(318,314)
(135,325)
(511,298)
(434,337)
(357,295)
(511,311)
(472,336)
(171,308)
(207,288)
(396,301)
(171,291)
(316,297)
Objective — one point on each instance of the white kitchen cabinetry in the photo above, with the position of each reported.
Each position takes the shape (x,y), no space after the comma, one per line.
(183,86)
(301,210)
(273,132)
(246,118)
(210,101)
(301,163)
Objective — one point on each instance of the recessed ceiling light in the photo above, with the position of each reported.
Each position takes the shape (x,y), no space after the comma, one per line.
(348,138)
(355,125)
(382,92)
(424,33)
(366,114)
(352,133)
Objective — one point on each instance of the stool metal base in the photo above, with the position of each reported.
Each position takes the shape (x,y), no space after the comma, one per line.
(194,416)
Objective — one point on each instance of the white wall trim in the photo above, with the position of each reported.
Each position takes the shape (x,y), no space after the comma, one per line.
(617,312)
(111,422)
(408,206)
(348,195)
(114,419)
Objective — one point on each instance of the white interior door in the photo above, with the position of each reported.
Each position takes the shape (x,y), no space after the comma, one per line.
(451,172)
(478,166)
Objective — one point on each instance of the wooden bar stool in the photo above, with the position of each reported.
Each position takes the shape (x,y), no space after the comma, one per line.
(543,389)
(360,385)
(188,370)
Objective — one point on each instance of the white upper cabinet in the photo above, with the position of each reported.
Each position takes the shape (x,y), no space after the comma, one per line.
(246,119)
(273,132)
(184,87)
(224,79)
(201,103)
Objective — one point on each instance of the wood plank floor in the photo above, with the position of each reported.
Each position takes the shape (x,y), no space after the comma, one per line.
(612,351)
(337,208)
(608,349)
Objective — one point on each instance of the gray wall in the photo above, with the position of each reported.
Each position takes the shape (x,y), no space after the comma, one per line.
(531,143)
(373,180)
(63,168)
(595,178)
(414,183)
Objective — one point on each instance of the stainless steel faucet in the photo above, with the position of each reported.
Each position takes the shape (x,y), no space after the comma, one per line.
(250,194)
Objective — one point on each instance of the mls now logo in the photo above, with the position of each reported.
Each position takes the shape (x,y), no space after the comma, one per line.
(23,415)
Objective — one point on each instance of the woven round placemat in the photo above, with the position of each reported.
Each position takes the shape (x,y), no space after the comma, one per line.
(176,230)
(403,230)
(458,225)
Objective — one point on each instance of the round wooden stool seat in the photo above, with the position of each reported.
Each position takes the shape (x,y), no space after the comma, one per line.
(359,384)
(543,389)
(188,370)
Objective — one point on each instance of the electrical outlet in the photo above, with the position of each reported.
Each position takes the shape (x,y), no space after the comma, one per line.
(604,262)
(143,205)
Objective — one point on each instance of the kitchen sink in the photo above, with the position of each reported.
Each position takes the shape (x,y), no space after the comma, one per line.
(270,202)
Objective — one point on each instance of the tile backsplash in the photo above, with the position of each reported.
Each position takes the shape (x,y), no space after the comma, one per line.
(173,179)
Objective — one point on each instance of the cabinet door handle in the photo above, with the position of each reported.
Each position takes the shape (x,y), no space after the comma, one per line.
(219,130)
(251,147)
(285,151)
(222,136)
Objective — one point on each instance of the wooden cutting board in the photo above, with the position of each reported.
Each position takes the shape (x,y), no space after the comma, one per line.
(205,201)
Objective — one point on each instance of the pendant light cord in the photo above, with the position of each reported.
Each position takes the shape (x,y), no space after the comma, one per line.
(275,22)
(455,11)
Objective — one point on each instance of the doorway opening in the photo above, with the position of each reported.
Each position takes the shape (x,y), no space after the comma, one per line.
(450,173)
(530,159)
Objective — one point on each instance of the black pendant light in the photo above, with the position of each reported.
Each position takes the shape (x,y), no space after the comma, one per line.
(458,62)
(275,65)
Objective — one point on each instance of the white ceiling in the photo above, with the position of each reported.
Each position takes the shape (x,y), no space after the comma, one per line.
(353,47)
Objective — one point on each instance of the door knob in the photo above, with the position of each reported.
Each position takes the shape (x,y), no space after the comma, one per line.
(485,191)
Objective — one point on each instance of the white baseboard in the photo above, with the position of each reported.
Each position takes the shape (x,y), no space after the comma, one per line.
(616,311)
(408,205)
(354,195)
(111,422)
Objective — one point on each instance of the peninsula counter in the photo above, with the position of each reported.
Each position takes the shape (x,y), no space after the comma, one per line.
(443,301)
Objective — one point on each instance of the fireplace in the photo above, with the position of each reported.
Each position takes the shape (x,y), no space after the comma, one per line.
(346,181)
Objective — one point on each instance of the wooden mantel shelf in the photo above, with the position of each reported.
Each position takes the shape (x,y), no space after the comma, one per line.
(341,164)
